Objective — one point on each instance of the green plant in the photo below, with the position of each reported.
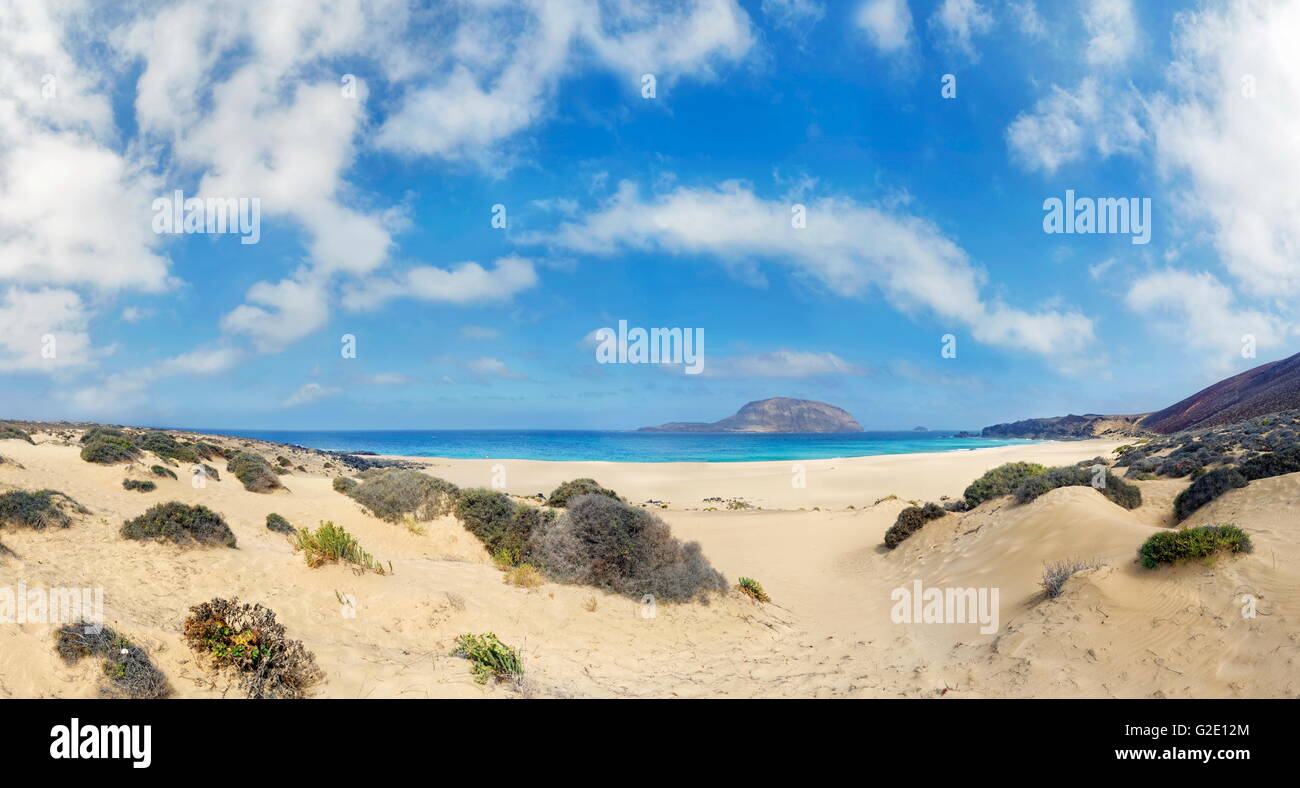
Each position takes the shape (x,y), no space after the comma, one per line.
(503,526)
(344,485)
(489,658)
(1206,489)
(247,640)
(753,589)
(180,523)
(10,431)
(394,493)
(576,487)
(39,509)
(1116,489)
(127,669)
(1001,480)
(524,576)
(167,447)
(332,544)
(107,446)
(139,486)
(910,520)
(1203,542)
(275,522)
(166,473)
(253,472)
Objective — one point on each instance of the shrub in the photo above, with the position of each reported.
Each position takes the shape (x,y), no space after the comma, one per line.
(166,473)
(332,544)
(1115,488)
(139,486)
(1171,547)
(128,671)
(12,432)
(1206,489)
(753,589)
(275,522)
(1272,464)
(167,447)
(247,640)
(605,543)
(572,489)
(1056,573)
(106,446)
(180,523)
(38,510)
(524,576)
(489,658)
(1001,480)
(503,526)
(392,493)
(344,485)
(209,472)
(253,472)
(910,520)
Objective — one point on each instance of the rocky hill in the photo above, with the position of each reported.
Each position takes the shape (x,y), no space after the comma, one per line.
(778,414)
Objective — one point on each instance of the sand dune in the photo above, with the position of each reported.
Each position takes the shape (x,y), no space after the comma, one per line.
(1117,631)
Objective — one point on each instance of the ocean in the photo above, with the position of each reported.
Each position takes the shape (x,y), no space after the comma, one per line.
(620,446)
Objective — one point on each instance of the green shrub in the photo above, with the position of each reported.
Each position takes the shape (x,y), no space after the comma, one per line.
(138,486)
(910,520)
(503,526)
(606,543)
(344,485)
(12,432)
(393,493)
(489,658)
(38,510)
(247,640)
(753,589)
(106,446)
(1171,547)
(253,472)
(210,472)
(128,670)
(275,522)
(332,544)
(1002,480)
(180,523)
(572,489)
(1275,463)
(167,447)
(1115,488)
(1206,489)
(166,473)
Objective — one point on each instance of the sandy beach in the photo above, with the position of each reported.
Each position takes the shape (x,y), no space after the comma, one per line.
(1120,631)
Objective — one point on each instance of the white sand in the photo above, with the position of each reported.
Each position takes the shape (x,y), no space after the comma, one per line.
(1117,631)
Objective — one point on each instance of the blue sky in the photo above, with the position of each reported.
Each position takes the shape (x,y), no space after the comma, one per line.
(924,212)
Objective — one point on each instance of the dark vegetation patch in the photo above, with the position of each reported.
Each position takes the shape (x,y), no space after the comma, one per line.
(10,431)
(38,509)
(275,522)
(166,473)
(1084,475)
(1206,489)
(106,446)
(138,485)
(128,670)
(247,641)
(253,472)
(180,523)
(394,493)
(1202,543)
(503,526)
(1002,480)
(909,521)
(576,487)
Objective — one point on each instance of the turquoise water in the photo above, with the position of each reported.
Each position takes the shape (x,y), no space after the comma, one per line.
(621,446)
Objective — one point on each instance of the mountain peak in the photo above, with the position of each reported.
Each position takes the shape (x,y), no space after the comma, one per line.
(775,414)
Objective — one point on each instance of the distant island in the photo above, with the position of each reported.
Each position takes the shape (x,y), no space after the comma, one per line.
(920,429)
(777,414)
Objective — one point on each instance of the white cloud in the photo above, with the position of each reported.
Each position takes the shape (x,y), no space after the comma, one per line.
(1066,125)
(847,248)
(37,324)
(960,21)
(1201,312)
(279,314)
(1112,31)
(796,15)
(309,393)
(467,282)
(1233,160)
(887,23)
(781,364)
(494,368)
(1027,18)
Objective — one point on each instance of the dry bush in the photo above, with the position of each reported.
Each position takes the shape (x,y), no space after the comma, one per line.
(253,472)
(393,493)
(576,487)
(605,543)
(247,640)
(128,671)
(1055,573)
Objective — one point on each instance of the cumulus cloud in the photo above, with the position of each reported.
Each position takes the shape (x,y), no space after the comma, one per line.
(1112,30)
(796,15)
(848,248)
(960,21)
(886,23)
(42,330)
(1068,124)
(465,283)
